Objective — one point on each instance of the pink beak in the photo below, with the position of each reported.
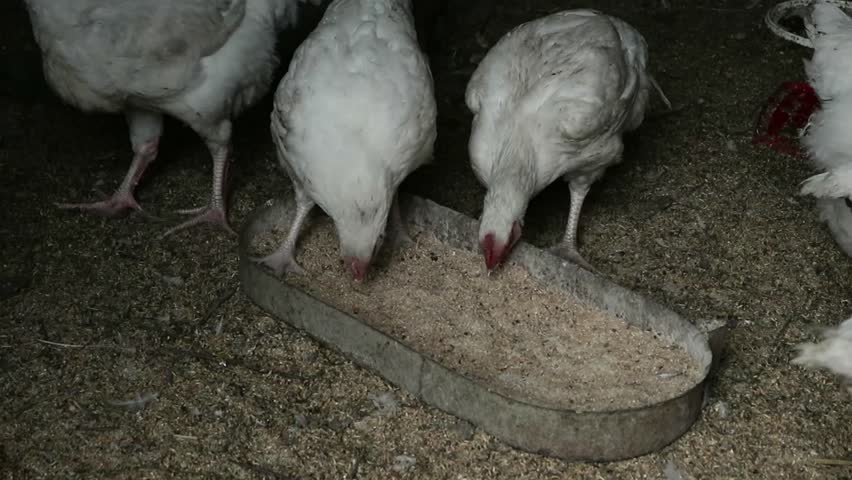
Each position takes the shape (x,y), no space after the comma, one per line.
(358,267)
(493,253)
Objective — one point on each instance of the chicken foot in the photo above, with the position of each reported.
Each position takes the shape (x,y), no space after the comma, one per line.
(283,259)
(145,131)
(215,212)
(123,199)
(567,248)
(399,237)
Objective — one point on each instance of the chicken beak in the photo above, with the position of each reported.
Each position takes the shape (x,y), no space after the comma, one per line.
(359,268)
(491,251)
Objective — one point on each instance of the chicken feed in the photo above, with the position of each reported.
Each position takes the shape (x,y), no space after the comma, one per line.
(513,334)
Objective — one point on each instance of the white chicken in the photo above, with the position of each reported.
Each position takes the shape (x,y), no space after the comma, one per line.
(827,139)
(822,111)
(834,353)
(552,99)
(200,61)
(353,117)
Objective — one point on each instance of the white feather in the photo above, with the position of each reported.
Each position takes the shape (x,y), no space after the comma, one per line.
(838,216)
(834,353)
(832,190)
(830,31)
(835,183)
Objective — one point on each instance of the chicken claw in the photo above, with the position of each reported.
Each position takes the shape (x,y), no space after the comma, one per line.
(115,206)
(214,212)
(280,262)
(399,237)
(570,253)
(123,199)
(208,214)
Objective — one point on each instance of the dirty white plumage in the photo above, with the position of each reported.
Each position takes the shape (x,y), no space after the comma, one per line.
(200,61)
(829,146)
(827,139)
(552,99)
(834,353)
(353,117)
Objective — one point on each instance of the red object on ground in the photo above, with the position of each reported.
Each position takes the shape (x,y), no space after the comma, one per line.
(794,103)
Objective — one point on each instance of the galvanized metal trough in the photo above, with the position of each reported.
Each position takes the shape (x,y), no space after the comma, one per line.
(588,436)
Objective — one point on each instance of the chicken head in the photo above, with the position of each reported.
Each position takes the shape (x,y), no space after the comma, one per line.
(496,250)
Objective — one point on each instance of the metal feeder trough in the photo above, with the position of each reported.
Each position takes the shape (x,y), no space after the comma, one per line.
(588,436)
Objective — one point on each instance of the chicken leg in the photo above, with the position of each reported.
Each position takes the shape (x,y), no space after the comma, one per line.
(283,260)
(567,248)
(399,235)
(215,211)
(145,131)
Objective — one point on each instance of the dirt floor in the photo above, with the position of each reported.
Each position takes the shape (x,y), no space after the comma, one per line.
(123,356)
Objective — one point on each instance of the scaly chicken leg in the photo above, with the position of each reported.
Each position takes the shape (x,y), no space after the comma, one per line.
(283,260)
(145,131)
(215,211)
(567,248)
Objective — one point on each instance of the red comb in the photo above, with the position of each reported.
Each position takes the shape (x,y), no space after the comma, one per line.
(794,103)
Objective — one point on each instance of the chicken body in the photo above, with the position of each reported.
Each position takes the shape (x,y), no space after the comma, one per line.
(353,117)
(552,99)
(200,61)
(827,139)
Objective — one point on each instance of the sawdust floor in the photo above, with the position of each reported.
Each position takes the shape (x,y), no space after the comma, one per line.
(696,218)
